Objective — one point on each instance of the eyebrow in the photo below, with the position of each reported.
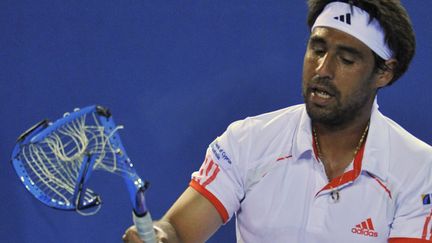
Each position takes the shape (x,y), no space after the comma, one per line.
(344,48)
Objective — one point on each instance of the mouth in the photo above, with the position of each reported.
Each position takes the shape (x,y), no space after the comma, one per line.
(321,94)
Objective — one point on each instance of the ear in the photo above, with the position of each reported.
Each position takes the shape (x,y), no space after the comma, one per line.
(384,76)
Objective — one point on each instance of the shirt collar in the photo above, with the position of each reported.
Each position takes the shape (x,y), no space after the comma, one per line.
(376,152)
(302,143)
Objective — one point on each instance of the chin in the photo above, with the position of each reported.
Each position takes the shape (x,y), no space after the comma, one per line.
(325,116)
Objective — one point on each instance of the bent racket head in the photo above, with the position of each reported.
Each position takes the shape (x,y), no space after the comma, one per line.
(46,159)
(55,160)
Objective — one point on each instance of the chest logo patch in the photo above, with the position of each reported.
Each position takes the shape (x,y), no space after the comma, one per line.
(365,228)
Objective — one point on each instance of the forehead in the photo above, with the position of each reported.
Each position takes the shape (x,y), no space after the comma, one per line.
(334,37)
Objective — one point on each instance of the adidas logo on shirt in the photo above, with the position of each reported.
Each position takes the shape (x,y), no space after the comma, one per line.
(344,18)
(365,228)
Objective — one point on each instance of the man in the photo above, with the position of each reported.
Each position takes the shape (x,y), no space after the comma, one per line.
(332,170)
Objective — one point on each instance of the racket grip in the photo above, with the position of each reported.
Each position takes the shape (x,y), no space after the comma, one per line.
(144,227)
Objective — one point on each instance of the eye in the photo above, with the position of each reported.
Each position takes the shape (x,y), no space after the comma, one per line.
(318,51)
(347,61)
(348,57)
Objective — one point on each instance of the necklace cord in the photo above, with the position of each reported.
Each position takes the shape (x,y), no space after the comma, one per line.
(334,190)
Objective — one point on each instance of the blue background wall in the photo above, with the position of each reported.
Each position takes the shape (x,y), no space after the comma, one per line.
(175,73)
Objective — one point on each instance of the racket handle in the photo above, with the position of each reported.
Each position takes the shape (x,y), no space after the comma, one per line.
(144,227)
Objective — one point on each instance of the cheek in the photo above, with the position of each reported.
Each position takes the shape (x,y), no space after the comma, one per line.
(355,79)
(308,67)
(351,88)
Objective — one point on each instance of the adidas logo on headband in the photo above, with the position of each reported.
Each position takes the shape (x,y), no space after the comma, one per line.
(342,18)
(357,23)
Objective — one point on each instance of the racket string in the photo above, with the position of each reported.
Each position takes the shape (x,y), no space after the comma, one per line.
(56,161)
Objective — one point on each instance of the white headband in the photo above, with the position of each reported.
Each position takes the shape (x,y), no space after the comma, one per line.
(338,15)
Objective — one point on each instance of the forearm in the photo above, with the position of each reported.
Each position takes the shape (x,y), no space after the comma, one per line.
(192,219)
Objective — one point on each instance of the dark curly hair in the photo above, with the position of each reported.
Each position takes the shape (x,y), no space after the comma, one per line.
(394,19)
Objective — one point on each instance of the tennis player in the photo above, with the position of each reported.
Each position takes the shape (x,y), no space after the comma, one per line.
(333,169)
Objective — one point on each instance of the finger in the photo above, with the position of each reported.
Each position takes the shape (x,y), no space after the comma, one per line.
(131,235)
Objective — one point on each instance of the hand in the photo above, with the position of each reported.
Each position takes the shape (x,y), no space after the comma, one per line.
(192,218)
(131,235)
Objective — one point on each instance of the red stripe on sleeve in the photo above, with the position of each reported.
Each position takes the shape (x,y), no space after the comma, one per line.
(406,240)
(204,165)
(209,167)
(212,177)
(426,224)
(216,203)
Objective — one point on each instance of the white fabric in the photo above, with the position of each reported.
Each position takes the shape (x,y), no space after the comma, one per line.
(337,14)
(270,179)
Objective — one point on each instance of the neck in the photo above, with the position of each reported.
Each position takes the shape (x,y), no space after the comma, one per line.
(337,147)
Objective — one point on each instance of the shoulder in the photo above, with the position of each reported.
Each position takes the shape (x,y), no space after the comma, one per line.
(267,123)
(409,168)
(255,138)
(410,159)
(405,145)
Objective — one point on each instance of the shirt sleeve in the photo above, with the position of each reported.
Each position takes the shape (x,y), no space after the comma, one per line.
(407,240)
(414,209)
(220,177)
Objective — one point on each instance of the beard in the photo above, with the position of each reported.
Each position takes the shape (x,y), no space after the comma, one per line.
(342,110)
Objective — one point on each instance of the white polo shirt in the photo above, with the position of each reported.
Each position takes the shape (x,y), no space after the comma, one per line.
(264,171)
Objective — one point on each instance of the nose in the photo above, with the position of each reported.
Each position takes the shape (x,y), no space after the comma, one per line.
(325,66)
